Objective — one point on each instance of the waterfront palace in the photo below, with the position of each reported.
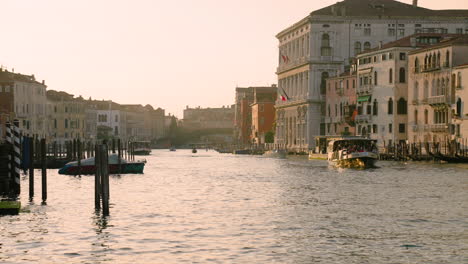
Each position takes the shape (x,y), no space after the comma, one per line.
(321,45)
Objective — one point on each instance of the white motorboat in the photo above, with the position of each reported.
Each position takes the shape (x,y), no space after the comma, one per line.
(352,152)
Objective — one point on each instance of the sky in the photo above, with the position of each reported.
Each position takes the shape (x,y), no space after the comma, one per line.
(168,54)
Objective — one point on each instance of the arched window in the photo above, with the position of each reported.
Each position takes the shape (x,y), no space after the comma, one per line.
(416,65)
(367,45)
(402,107)
(426,116)
(438,87)
(459,80)
(438,59)
(402,75)
(375,107)
(66,123)
(329,114)
(459,107)
(390,76)
(390,106)
(433,88)
(426,59)
(426,89)
(429,61)
(416,116)
(325,48)
(341,109)
(375,78)
(357,48)
(323,83)
(416,91)
(55,123)
(447,59)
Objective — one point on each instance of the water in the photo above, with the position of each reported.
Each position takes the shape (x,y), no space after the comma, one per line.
(220,208)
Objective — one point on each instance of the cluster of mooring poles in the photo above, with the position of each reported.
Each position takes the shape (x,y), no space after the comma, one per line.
(452,151)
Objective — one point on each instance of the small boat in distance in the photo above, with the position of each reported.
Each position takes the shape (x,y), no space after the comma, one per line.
(194,150)
(172,149)
(142,148)
(352,152)
(88,166)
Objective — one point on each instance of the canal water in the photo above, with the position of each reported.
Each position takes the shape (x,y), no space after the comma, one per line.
(222,208)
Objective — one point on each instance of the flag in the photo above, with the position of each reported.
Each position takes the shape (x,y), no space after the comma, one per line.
(285,58)
(284,96)
(355,112)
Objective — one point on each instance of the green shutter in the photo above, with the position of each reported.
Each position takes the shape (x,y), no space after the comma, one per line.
(363,98)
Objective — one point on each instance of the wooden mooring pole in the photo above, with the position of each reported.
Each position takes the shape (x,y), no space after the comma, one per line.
(31,167)
(44,170)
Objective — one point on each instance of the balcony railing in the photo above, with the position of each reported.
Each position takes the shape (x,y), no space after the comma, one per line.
(440,100)
(439,128)
(365,89)
(363,118)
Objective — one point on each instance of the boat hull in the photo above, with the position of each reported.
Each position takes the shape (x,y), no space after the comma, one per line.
(356,163)
(125,168)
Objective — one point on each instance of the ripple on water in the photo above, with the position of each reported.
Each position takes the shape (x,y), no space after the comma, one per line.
(213,208)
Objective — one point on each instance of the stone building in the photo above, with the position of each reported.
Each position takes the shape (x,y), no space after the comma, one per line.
(383,88)
(321,45)
(29,101)
(66,116)
(111,121)
(436,92)
(460,117)
(340,104)
(209,118)
(263,113)
(243,116)
(6,107)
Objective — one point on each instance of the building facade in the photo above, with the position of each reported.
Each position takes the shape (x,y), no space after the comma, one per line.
(263,114)
(66,117)
(29,101)
(436,92)
(321,45)
(341,104)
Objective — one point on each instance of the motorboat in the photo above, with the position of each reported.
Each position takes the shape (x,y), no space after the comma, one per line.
(172,149)
(88,166)
(355,152)
(142,148)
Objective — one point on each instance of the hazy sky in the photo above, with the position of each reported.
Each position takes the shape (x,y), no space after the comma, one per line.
(168,54)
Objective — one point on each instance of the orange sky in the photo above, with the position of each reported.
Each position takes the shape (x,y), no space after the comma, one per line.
(165,53)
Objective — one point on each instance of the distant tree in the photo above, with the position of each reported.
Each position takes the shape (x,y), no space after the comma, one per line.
(269,137)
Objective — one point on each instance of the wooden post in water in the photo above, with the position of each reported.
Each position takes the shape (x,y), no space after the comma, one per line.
(78,144)
(105,180)
(97,178)
(44,170)
(119,148)
(31,168)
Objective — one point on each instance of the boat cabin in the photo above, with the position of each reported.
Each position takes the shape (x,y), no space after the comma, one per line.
(353,145)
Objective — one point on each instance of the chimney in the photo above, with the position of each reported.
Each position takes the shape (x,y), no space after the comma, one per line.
(415,3)
(43,82)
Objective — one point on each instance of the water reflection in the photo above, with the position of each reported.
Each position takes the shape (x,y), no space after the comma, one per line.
(208,207)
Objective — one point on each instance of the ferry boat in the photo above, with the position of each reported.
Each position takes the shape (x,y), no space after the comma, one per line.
(142,148)
(276,153)
(88,166)
(352,152)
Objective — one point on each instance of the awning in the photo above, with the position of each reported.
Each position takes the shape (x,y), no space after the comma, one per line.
(363,98)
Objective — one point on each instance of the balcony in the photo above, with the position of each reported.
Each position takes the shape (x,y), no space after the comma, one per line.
(440,100)
(439,128)
(363,119)
(430,68)
(365,89)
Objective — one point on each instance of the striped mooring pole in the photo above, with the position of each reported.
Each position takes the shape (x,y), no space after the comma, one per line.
(9,142)
(16,158)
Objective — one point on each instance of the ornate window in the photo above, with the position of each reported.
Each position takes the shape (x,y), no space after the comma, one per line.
(402,75)
(325,49)
(402,107)
(390,106)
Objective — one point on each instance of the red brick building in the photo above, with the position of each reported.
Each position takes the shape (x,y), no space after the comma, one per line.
(263,113)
